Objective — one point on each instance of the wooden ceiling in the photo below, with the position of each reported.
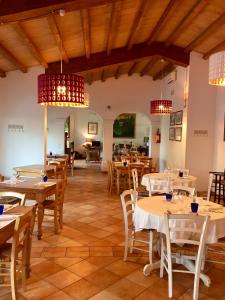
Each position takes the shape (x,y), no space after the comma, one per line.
(107,38)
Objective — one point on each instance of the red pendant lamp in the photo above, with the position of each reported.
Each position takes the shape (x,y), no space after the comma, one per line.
(161,107)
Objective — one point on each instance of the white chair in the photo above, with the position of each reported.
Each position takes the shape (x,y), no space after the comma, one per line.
(141,190)
(183,190)
(210,186)
(15,195)
(187,230)
(128,201)
(158,185)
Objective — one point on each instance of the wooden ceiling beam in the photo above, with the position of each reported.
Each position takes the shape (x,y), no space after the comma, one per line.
(58,37)
(19,10)
(217,48)
(174,54)
(85,20)
(18,27)
(206,33)
(118,72)
(133,68)
(136,24)
(149,66)
(161,22)
(192,14)
(115,8)
(164,71)
(9,56)
(103,75)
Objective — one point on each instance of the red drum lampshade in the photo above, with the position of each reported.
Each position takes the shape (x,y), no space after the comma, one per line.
(161,107)
(61,90)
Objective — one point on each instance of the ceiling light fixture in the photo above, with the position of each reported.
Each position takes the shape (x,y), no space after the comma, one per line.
(217,69)
(161,106)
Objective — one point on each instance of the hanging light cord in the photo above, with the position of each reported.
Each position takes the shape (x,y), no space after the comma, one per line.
(61,54)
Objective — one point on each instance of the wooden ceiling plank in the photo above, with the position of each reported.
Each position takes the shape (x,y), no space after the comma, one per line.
(9,56)
(206,33)
(19,10)
(133,68)
(57,36)
(136,24)
(85,20)
(172,53)
(29,43)
(148,66)
(118,72)
(2,73)
(161,22)
(217,48)
(114,15)
(192,14)
(164,71)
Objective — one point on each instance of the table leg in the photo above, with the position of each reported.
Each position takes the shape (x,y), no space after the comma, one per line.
(151,267)
(40,216)
(190,266)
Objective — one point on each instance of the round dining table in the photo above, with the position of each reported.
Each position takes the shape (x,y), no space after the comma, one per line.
(188,181)
(149,214)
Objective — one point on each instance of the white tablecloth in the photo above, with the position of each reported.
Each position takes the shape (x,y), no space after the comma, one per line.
(149,214)
(189,181)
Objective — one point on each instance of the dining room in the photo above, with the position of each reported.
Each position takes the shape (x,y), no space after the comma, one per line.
(136,88)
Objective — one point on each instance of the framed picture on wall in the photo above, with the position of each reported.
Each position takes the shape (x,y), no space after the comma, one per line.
(178,134)
(172,133)
(179,117)
(172,119)
(124,126)
(92,128)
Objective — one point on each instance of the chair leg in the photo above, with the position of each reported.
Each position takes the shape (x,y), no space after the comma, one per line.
(13,281)
(56,220)
(125,246)
(150,247)
(61,218)
(132,241)
(170,275)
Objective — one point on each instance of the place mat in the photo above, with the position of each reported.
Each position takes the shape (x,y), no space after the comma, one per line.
(45,183)
(12,181)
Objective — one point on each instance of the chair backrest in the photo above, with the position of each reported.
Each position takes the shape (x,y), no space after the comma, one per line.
(209,186)
(186,229)
(60,191)
(16,195)
(135,178)
(128,201)
(183,190)
(21,234)
(159,185)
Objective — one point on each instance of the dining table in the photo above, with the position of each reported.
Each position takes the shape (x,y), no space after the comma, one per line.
(35,170)
(7,223)
(149,214)
(188,181)
(34,189)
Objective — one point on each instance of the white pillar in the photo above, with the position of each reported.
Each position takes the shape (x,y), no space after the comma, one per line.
(155,147)
(107,142)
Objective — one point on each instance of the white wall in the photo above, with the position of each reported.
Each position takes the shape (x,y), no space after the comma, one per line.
(219,143)
(19,106)
(201,116)
(172,153)
(18,100)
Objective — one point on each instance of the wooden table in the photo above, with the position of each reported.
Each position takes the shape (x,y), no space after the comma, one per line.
(7,230)
(33,190)
(33,170)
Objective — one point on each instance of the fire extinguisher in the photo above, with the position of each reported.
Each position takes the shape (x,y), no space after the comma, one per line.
(158,136)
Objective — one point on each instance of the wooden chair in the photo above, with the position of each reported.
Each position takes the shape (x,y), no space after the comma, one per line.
(193,238)
(55,205)
(111,185)
(123,178)
(128,201)
(12,198)
(13,256)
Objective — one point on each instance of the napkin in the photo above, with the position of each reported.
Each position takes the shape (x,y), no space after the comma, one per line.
(42,183)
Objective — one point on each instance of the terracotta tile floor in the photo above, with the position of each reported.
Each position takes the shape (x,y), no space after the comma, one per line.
(85,260)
